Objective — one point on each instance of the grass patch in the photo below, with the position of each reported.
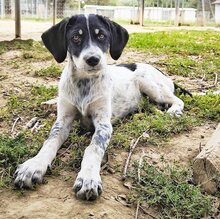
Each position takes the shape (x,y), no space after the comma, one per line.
(30,49)
(53,71)
(181,42)
(168,191)
(13,151)
(160,126)
(30,101)
(203,108)
(188,53)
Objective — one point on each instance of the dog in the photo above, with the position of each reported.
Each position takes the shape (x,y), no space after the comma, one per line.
(100,93)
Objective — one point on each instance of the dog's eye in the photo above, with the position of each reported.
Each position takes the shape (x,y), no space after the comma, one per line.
(101,36)
(76,39)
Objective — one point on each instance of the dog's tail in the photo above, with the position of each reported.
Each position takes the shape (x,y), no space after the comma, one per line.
(182,90)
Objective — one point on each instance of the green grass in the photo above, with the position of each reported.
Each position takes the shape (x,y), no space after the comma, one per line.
(13,151)
(167,190)
(188,53)
(30,101)
(30,49)
(53,71)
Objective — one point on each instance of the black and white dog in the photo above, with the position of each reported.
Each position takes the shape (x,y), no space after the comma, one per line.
(97,91)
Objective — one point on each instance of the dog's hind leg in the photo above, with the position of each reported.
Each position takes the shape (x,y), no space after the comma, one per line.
(33,170)
(162,92)
(88,184)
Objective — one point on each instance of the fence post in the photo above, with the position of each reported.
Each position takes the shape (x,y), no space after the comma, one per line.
(177,17)
(17,19)
(54,12)
(142,13)
(203,13)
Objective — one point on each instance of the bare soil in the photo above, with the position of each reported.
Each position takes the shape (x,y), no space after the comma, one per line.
(33,30)
(55,199)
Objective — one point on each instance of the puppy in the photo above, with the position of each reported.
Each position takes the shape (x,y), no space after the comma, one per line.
(98,92)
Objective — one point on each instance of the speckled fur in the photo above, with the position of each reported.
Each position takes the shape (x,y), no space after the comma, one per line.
(101,93)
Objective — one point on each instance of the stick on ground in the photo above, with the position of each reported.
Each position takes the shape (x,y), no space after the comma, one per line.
(132,147)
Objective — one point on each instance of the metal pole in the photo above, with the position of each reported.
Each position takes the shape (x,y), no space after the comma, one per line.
(2,9)
(46,9)
(54,12)
(17,19)
(203,13)
(177,12)
(142,13)
(79,6)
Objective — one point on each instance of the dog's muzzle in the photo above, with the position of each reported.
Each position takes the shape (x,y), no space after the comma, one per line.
(92,60)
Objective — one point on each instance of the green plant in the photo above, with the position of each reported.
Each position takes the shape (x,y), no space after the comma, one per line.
(167,190)
(50,71)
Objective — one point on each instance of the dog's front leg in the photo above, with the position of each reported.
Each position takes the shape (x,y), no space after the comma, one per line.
(33,170)
(88,185)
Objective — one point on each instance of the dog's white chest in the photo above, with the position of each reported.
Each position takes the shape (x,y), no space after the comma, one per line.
(83,92)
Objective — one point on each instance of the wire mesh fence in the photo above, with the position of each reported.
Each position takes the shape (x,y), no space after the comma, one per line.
(39,9)
(155,11)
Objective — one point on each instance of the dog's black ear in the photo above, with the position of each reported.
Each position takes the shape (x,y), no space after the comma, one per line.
(55,40)
(118,38)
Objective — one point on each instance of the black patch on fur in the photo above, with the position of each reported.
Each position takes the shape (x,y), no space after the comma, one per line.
(84,87)
(131,67)
(182,90)
(102,135)
(62,37)
(77,23)
(55,130)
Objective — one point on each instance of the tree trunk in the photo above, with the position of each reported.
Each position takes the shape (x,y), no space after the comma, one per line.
(206,166)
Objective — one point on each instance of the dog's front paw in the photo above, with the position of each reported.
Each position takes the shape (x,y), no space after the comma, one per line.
(88,186)
(175,112)
(30,172)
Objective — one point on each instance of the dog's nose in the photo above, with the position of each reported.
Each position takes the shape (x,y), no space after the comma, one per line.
(92,60)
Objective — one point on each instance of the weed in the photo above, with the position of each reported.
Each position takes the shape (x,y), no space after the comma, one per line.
(31,49)
(13,151)
(169,192)
(30,101)
(205,107)
(50,71)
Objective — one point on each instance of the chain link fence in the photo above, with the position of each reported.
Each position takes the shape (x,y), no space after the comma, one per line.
(43,10)
(39,9)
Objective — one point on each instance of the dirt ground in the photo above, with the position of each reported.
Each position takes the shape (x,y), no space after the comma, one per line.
(33,29)
(55,199)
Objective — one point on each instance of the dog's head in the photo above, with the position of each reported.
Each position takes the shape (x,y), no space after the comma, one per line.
(87,38)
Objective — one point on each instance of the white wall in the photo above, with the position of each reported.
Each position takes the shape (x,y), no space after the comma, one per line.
(150,13)
(217,13)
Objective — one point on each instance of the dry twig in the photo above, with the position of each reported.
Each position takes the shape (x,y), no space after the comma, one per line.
(215,82)
(14,124)
(31,123)
(132,147)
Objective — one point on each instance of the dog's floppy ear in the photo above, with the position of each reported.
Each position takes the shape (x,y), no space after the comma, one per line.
(118,38)
(55,40)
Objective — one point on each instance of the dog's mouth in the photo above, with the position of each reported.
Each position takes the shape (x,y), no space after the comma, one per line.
(92,70)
